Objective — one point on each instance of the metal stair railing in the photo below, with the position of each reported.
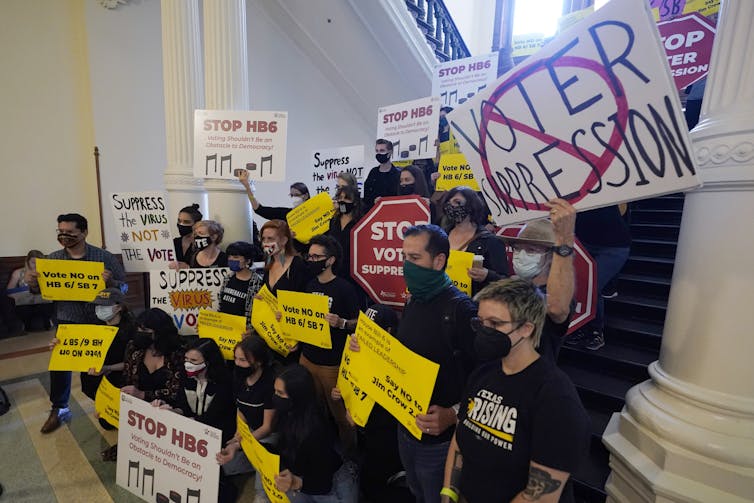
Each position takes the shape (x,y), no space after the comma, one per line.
(434,20)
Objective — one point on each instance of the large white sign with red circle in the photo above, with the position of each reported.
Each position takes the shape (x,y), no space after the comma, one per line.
(377,247)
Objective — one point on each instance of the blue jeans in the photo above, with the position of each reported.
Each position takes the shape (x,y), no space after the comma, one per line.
(345,489)
(60,388)
(424,464)
(610,261)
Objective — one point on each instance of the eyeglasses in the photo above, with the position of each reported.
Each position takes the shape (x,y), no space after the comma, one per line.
(314,257)
(530,248)
(477,323)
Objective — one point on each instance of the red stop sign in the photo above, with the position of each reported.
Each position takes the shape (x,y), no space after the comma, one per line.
(687,41)
(585,294)
(377,247)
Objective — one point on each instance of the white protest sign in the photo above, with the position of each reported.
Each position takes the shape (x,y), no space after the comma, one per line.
(142,222)
(184,292)
(411,126)
(328,162)
(593,118)
(227,140)
(163,456)
(458,80)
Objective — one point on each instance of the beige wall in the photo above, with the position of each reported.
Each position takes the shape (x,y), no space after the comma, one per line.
(46,140)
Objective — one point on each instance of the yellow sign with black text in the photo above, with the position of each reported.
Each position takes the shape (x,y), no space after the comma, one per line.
(304,317)
(78,280)
(312,217)
(455,171)
(264,320)
(398,379)
(107,402)
(225,329)
(266,464)
(459,263)
(358,404)
(81,347)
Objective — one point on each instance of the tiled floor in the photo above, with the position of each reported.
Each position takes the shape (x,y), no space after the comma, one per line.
(64,466)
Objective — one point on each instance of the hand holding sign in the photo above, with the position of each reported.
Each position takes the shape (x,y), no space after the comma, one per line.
(77,280)
(312,217)
(304,317)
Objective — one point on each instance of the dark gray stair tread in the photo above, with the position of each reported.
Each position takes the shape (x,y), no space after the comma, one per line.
(646,258)
(645,279)
(648,241)
(634,300)
(607,385)
(649,210)
(641,327)
(619,353)
(599,421)
(669,226)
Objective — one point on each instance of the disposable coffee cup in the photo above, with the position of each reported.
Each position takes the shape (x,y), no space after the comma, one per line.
(478,262)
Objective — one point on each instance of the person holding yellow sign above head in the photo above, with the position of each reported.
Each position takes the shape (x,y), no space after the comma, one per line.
(72,232)
(522,429)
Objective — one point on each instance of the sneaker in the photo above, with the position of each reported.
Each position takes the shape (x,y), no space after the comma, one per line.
(56,418)
(610,292)
(576,339)
(596,341)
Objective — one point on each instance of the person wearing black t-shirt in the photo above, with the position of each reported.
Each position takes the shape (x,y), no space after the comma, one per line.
(253,387)
(543,254)
(237,294)
(522,429)
(323,257)
(435,325)
(208,235)
(382,180)
(184,243)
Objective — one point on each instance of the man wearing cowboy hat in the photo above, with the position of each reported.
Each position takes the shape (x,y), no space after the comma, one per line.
(543,254)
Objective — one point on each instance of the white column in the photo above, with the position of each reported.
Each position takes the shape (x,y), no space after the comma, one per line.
(184,91)
(688,433)
(227,88)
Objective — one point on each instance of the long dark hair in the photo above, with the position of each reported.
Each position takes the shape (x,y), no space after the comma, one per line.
(254,348)
(475,204)
(217,372)
(305,415)
(352,193)
(166,338)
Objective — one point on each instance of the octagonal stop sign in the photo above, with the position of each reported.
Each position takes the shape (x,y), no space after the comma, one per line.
(377,247)
(585,292)
(687,41)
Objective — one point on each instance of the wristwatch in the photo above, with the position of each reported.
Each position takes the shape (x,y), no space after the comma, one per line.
(563,250)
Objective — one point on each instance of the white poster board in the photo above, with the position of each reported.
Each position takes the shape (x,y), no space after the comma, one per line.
(163,456)
(226,140)
(459,80)
(412,126)
(183,293)
(328,162)
(593,118)
(143,226)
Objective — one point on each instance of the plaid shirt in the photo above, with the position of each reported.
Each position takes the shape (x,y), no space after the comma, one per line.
(83,312)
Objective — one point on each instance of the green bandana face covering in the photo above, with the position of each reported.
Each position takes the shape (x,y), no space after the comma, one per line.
(424,283)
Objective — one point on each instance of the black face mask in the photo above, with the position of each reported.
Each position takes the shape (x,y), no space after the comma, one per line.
(316,267)
(185,230)
(281,404)
(243,372)
(491,344)
(407,189)
(344,208)
(201,242)
(142,340)
(382,158)
(456,213)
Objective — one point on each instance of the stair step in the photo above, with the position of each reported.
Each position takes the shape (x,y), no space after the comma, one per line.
(639,300)
(614,358)
(653,216)
(654,247)
(636,333)
(648,265)
(639,307)
(655,231)
(643,284)
(669,202)
(597,390)
(590,477)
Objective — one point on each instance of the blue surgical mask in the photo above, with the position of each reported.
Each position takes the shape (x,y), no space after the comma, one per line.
(234,265)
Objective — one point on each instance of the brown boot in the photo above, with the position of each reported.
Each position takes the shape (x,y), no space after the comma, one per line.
(55,419)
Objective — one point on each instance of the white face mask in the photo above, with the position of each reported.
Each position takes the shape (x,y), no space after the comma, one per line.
(106,313)
(270,248)
(527,265)
(296,200)
(193,368)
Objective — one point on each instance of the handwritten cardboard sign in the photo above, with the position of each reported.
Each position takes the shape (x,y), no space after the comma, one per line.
(593,118)
(143,226)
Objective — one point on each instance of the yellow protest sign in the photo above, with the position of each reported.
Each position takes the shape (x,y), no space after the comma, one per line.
(455,171)
(81,347)
(450,146)
(225,329)
(265,323)
(268,297)
(304,317)
(570,19)
(266,464)
(402,164)
(394,376)
(358,404)
(107,402)
(312,217)
(70,279)
(459,263)
(668,9)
